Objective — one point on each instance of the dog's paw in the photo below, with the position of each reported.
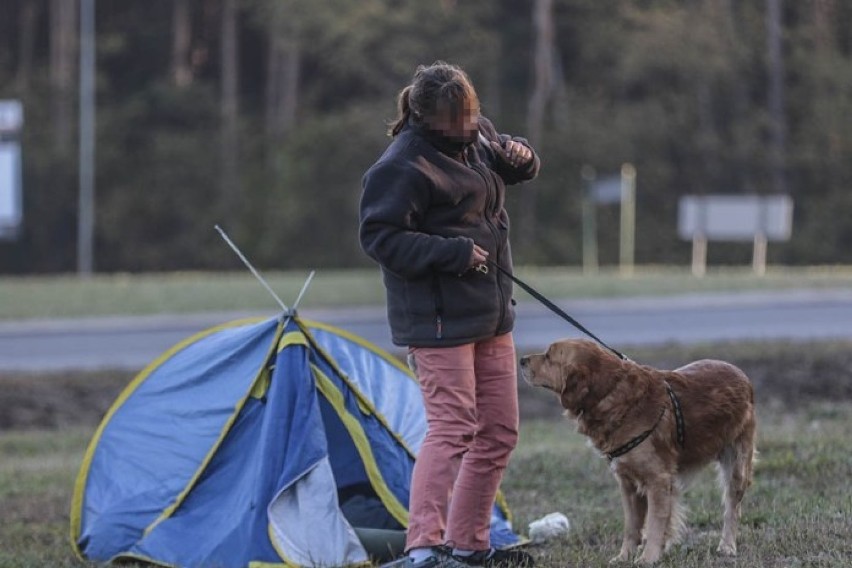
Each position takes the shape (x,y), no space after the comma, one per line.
(727,548)
(647,559)
(625,556)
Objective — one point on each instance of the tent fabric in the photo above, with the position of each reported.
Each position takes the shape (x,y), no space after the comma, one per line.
(298,510)
(153,444)
(236,447)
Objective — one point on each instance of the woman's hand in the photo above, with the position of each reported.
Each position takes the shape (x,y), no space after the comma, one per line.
(478,256)
(514,153)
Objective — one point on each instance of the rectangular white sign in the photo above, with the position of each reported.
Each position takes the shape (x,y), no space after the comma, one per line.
(11,211)
(11,116)
(735,217)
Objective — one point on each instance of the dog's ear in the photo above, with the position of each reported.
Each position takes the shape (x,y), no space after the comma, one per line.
(570,398)
(575,380)
(591,357)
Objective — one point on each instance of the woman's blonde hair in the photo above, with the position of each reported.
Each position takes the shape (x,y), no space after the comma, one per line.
(433,83)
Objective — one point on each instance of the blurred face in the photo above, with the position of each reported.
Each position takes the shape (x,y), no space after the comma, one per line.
(458,122)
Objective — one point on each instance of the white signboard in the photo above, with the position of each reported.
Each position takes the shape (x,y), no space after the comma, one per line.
(11,116)
(11,121)
(607,189)
(735,217)
(10,189)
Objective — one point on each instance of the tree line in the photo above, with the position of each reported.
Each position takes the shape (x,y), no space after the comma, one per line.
(262,115)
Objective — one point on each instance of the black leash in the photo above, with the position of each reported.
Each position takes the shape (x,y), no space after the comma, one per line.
(679,422)
(553,307)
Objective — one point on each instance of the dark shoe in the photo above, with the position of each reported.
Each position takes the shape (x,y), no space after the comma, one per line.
(401,562)
(441,559)
(495,558)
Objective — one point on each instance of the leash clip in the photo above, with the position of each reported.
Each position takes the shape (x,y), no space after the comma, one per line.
(483,268)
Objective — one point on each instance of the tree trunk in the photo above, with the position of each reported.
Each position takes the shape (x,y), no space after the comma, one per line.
(63,57)
(207,31)
(742,103)
(542,68)
(543,84)
(181,43)
(229,108)
(825,12)
(282,81)
(778,120)
(707,143)
(26,43)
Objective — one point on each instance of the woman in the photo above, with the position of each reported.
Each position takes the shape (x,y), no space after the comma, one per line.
(433,217)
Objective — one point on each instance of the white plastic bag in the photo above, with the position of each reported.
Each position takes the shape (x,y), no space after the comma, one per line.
(550,526)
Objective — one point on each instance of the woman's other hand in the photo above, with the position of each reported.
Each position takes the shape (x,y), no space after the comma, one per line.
(514,153)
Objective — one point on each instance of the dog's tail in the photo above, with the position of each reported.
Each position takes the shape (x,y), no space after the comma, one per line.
(736,466)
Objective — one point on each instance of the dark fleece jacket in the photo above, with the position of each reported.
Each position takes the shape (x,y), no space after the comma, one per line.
(425,202)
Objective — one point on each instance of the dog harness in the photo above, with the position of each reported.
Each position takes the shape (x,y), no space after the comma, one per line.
(620,451)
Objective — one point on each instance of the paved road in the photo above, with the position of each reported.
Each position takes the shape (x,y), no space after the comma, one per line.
(131,342)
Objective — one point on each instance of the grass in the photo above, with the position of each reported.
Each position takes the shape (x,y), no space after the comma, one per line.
(70,296)
(797,513)
(37,471)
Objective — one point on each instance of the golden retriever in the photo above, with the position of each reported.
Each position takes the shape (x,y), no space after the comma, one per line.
(656,427)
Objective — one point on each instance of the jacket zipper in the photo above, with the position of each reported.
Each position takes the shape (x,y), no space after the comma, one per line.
(439,307)
(491,201)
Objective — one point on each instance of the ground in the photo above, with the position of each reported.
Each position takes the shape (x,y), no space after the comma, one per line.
(798,513)
(789,373)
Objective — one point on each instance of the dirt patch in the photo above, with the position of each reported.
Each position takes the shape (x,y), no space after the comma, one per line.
(58,400)
(785,373)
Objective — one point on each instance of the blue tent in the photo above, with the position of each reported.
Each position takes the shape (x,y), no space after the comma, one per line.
(252,444)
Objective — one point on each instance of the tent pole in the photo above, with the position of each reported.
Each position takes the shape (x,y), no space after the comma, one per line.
(253,271)
(304,289)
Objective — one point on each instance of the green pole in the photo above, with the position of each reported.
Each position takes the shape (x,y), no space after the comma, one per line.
(590,231)
(86,197)
(628,219)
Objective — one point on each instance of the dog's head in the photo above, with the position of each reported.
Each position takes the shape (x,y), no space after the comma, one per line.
(569,368)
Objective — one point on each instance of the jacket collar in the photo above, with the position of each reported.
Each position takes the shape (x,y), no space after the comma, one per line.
(452,148)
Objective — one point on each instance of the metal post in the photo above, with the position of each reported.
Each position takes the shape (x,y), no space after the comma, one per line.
(699,255)
(758,259)
(628,219)
(86,203)
(590,231)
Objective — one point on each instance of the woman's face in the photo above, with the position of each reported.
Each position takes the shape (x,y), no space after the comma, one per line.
(458,122)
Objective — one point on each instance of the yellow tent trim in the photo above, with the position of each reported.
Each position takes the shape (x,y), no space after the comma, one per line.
(363,343)
(501,502)
(83,474)
(292,338)
(224,432)
(261,386)
(142,558)
(359,437)
(363,402)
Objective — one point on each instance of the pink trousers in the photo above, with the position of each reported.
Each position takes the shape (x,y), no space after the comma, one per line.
(471,399)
